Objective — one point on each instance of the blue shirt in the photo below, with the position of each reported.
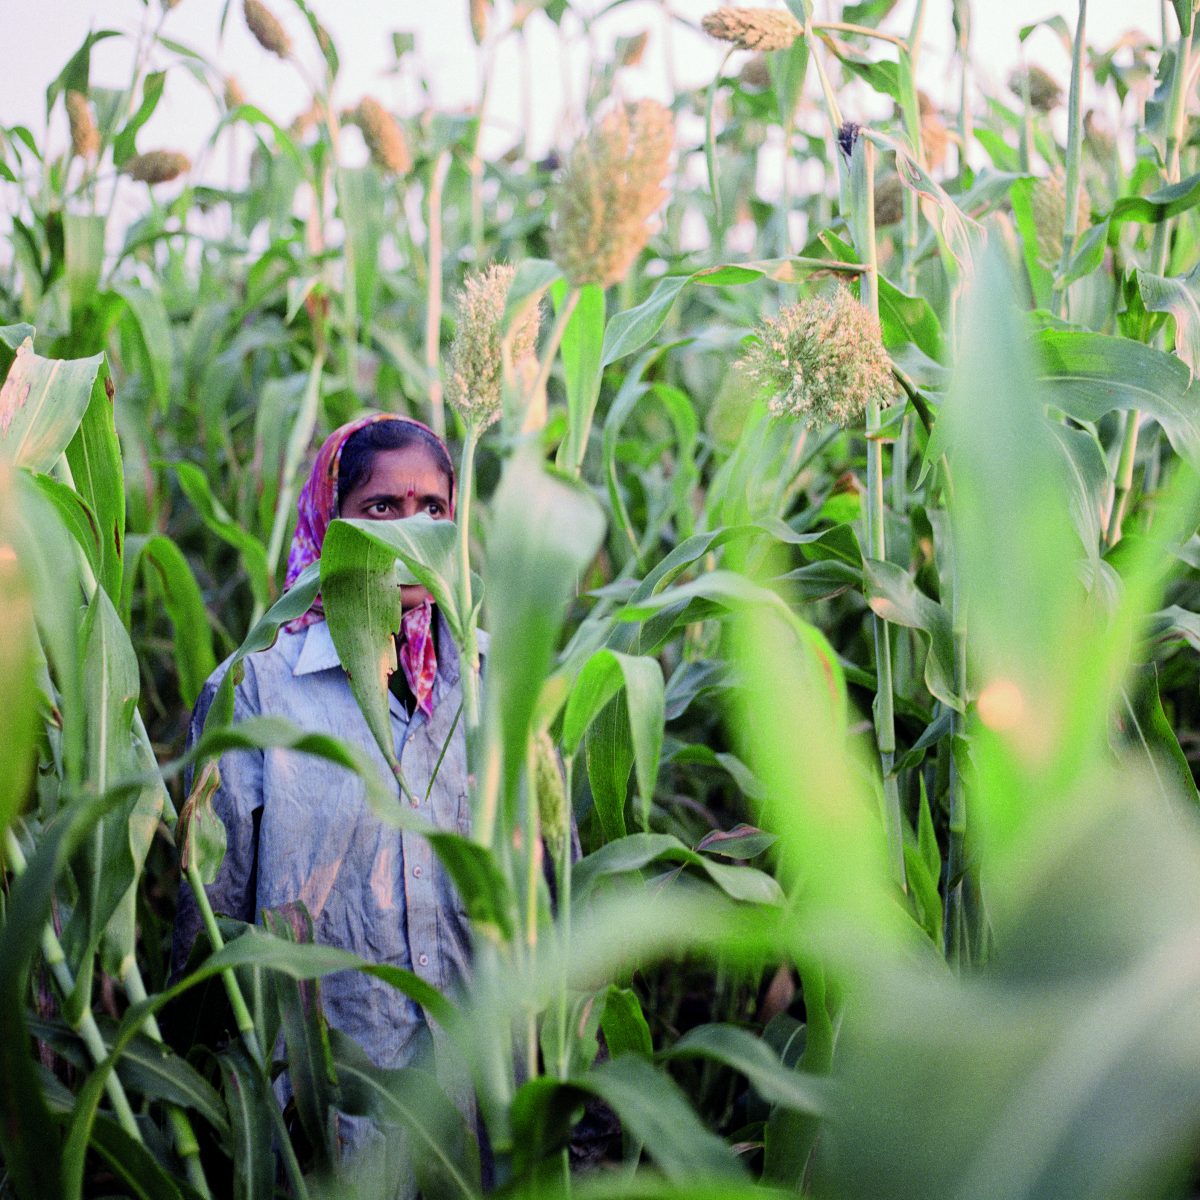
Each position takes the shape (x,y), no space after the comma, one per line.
(300,829)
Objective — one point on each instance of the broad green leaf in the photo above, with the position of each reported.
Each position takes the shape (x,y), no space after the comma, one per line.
(581,347)
(630,329)
(1087,483)
(606,672)
(159,557)
(542,533)
(83,248)
(125,143)
(196,487)
(76,515)
(361,205)
(440,1151)
(609,758)
(41,405)
(18,715)
(1179,296)
(94,456)
(246,1098)
(1092,374)
(1145,730)
(151,1069)
(362,565)
(640,850)
(1160,205)
(742,775)
(132,1162)
(624,1023)
(752,1057)
(152,328)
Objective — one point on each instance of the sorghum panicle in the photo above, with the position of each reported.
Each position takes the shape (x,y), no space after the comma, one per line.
(822,360)
(1049,202)
(384,137)
(611,187)
(157,166)
(475,367)
(85,137)
(551,794)
(234,96)
(753,28)
(268,30)
(1044,93)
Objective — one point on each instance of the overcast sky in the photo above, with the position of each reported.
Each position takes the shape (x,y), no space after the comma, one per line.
(40,37)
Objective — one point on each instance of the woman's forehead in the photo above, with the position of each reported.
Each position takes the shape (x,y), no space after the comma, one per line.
(408,467)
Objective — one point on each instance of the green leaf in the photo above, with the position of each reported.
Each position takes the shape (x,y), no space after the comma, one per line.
(752,1057)
(152,327)
(196,487)
(1160,205)
(162,559)
(582,343)
(246,1098)
(441,1153)
(604,674)
(41,405)
(132,1162)
(1087,482)
(639,850)
(630,329)
(76,515)
(152,1070)
(360,581)
(1179,296)
(1091,374)
(94,456)
(542,533)
(125,143)
(1146,731)
(624,1023)
(83,247)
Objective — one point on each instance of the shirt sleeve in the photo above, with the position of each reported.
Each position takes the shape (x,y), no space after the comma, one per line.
(238,802)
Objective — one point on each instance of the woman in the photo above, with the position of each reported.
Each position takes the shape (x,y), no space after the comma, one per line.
(299,828)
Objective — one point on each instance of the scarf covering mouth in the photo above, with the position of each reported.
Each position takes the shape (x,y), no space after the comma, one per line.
(316,507)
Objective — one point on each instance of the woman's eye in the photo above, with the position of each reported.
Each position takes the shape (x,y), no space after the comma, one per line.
(380,508)
(435,508)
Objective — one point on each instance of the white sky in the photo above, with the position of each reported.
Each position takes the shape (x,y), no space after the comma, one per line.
(40,37)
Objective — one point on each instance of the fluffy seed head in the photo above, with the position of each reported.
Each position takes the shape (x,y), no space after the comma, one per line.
(1049,202)
(1044,92)
(753,28)
(235,97)
(822,360)
(551,794)
(479,16)
(85,137)
(157,166)
(889,200)
(611,187)
(384,137)
(629,50)
(267,29)
(475,369)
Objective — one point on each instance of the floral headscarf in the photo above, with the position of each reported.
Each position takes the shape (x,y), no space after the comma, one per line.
(315,509)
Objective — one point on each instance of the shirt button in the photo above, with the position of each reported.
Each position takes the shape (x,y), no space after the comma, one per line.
(422,960)
(418,872)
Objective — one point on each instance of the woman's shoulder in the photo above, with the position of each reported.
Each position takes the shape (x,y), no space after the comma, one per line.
(258,672)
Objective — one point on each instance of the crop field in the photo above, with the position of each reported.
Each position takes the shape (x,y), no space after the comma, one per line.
(824,575)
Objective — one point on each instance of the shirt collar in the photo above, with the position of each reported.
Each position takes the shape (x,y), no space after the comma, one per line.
(318,652)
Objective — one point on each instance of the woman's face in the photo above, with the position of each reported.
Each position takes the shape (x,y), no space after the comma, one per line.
(400,483)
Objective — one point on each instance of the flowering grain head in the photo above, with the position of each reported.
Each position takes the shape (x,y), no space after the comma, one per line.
(1049,203)
(753,28)
(479,18)
(551,794)
(821,360)
(629,51)
(1044,92)
(756,74)
(611,187)
(234,96)
(267,29)
(85,137)
(384,137)
(475,369)
(889,200)
(157,166)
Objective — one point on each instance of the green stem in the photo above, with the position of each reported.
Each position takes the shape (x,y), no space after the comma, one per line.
(885,732)
(710,151)
(1026,141)
(965,117)
(912,119)
(537,406)
(87,1029)
(1074,157)
(433,301)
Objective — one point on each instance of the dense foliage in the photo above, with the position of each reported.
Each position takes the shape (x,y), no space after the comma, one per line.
(841,542)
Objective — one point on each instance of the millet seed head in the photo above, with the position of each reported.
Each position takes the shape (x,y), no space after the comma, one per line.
(268,30)
(551,794)
(1044,92)
(85,137)
(612,185)
(889,200)
(821,360)
(478,12)
(234,96)
(1049,202)
(475,365)
(753,28)
(157,166)
(384,137)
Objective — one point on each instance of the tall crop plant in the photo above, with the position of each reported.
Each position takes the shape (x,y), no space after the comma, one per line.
(879,731)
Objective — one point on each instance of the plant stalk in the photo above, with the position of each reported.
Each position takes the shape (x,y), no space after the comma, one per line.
(1074,158)
(710,152)
(433,300)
